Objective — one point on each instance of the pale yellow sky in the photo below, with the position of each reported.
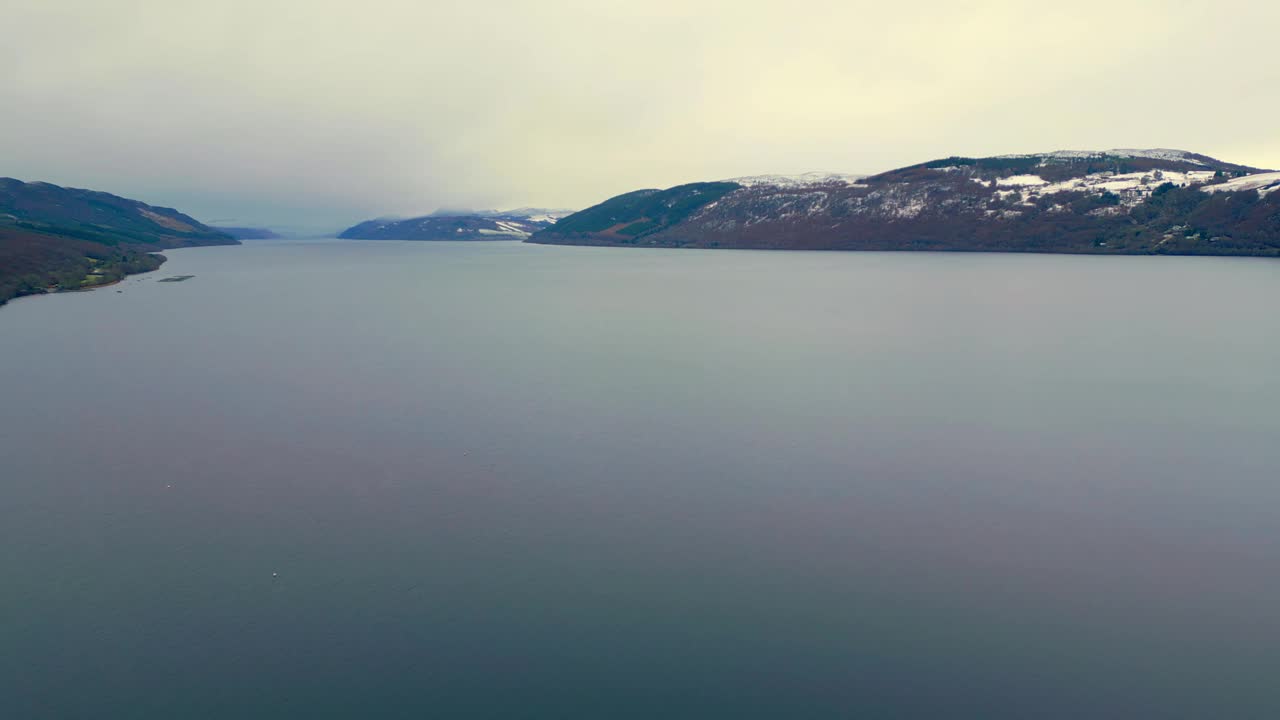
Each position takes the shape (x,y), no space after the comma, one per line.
(310,112)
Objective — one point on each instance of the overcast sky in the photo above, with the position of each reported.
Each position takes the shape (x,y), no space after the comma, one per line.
(319,114)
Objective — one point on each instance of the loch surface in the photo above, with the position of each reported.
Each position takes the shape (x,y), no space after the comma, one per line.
(393,479)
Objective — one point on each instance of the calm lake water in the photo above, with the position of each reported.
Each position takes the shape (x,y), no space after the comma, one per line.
(384,479)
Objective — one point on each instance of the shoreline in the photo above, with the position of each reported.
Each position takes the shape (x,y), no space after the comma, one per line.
(87,288)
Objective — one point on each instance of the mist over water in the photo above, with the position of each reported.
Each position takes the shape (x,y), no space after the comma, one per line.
(345,479)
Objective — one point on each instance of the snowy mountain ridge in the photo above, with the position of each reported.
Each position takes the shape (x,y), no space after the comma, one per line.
(798,180)
(1116,201)
(1149,153)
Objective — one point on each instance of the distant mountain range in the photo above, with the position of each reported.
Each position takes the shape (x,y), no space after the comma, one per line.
(1113,201)
(1106,202)
(248,233)
(56,238)
(458,225)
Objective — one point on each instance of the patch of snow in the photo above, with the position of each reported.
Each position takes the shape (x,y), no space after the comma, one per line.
(1150,153)
(538,214)
(1021,181)
(896,202)
(525,213)
(796,181)
(1133,188)
(503,233)
(508,226)
(1262,182)
(1156,154)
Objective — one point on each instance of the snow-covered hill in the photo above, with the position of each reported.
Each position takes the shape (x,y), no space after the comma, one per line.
(475,225)
(1124,200)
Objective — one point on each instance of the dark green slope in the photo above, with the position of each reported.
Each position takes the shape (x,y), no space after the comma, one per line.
(627,218)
